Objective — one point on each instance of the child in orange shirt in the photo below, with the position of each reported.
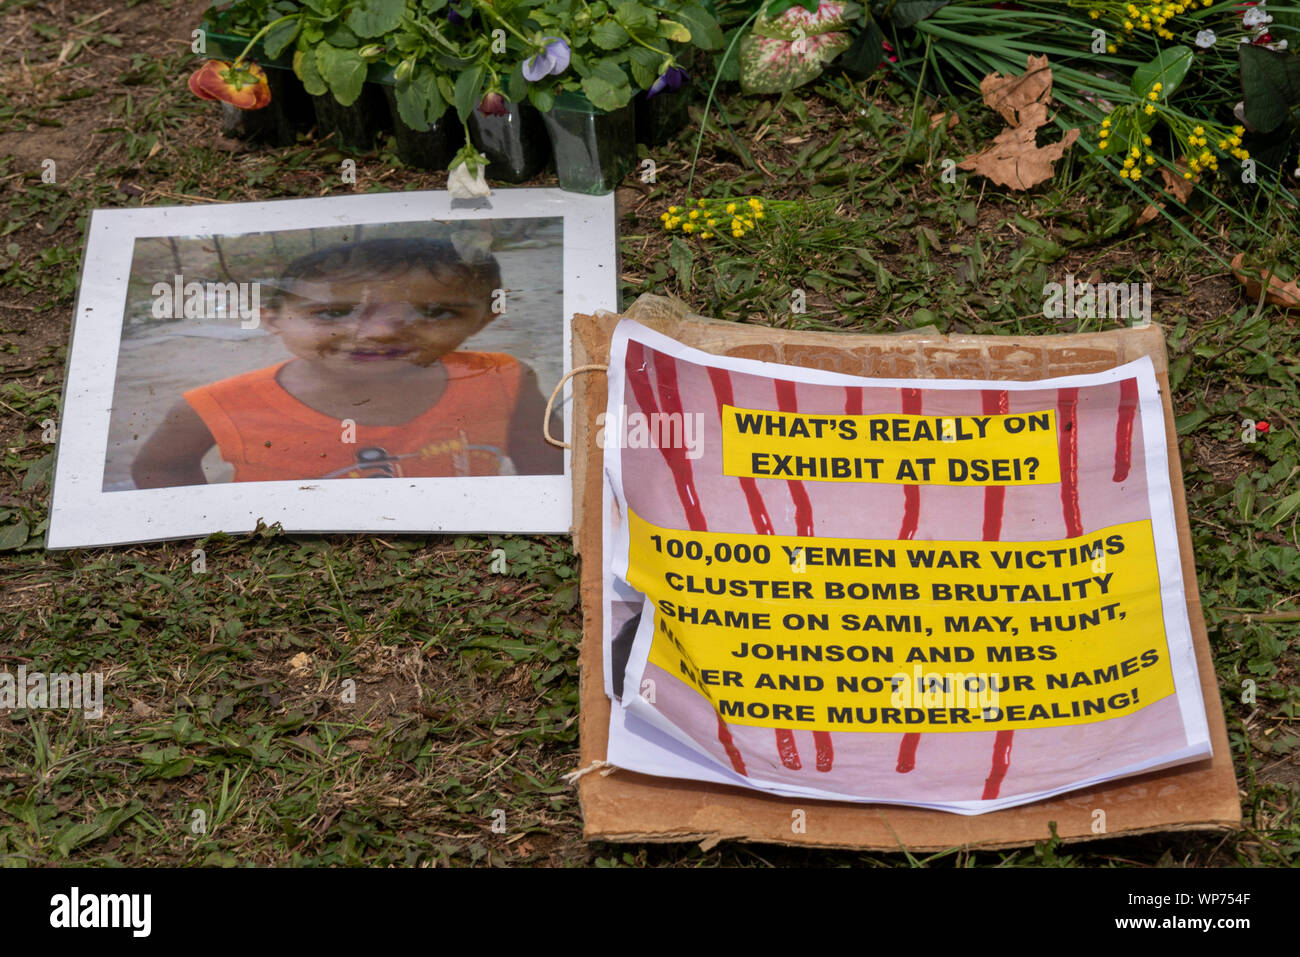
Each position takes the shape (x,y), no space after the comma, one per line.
(376,388)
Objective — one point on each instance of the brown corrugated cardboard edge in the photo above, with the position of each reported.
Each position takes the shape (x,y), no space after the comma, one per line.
(625,806)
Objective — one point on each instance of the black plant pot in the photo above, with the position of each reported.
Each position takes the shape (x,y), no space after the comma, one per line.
(516,144)
(594,149)
(353,127)
(431,149)
(279,122)
(661,117)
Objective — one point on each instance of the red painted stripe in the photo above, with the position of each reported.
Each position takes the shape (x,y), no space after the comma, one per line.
(638,376)
(907,752)
(1067,421)
(911,493)
(722,391)
(786,748)
(825,750)
(786,401)
(1128,400)
(1001,761)
(996,402)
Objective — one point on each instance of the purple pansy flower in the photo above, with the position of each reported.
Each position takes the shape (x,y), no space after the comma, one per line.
(672,80)
(453,16)
(552,61)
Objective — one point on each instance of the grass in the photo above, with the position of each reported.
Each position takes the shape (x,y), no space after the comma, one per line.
(351,700)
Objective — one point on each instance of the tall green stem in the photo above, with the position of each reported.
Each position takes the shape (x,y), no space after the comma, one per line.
(258,35)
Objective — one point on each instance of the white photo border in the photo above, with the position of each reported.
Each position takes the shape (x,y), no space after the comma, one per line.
(82,514)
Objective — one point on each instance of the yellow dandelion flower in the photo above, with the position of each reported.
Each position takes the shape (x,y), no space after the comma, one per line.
(1187,176)
(1146,141)
(1149,109)
(673,209)
(731,208)
(1110,48)
(1150,160)
(758,214)
(1135,152)
(1128,163)
(1105,122)
(706,235)
(688,227)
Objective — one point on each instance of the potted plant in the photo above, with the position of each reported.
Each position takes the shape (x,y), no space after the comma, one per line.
(598,57)
(505,66)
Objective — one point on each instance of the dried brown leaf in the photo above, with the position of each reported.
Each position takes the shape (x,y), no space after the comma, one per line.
(1014,159)
(1175,186)
(1280,292)
(1015,162)
(1010,95)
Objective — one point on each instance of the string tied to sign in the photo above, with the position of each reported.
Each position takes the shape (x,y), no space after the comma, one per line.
(550,403)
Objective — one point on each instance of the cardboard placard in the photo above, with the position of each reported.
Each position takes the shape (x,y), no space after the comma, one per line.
(628,806)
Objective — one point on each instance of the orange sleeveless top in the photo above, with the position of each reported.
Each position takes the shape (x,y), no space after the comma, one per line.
(268,435)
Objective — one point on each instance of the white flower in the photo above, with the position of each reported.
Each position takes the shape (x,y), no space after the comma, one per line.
(462,184)
(1256,17)
(1206,39)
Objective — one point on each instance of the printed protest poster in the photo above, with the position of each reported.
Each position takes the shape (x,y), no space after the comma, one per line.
(961,595)
(246,362)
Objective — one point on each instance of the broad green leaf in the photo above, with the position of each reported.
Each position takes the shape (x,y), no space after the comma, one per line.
(419,103)
(1168,68)
(304,65)
(645,66)
(1190,421)
(609,35)
(633,16)
(469,90)
(682,259)
(343,70)
(446,88)
(543,98)
(606,95)
(1286,508)
(13,536)
(516,86)
(374,18)
(672,30)
(705,32)
(341,36)
(280,37)
(1270,85)
(908,13)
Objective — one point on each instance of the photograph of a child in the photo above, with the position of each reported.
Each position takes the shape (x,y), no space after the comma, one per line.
(420,349)
(240,365)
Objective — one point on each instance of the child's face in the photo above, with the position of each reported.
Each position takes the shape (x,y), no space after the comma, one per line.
(378,324)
